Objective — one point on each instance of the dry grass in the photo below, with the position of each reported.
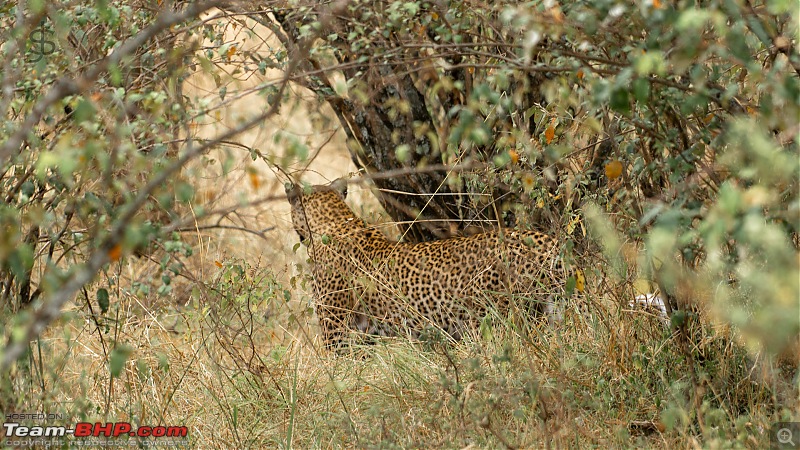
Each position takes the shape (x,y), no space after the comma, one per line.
(241,369)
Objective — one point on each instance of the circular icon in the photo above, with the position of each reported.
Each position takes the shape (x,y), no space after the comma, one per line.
(785,436)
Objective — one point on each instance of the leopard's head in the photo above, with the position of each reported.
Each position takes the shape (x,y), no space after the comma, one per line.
(319,210)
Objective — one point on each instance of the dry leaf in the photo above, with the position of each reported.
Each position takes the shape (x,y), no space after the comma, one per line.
(613,170)
(255,181)
(115,253)
(550,132)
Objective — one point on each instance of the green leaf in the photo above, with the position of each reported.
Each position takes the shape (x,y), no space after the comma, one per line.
(570,286)
(403,153)
(116,74)
(35,6)
(20,261)
(692,20)
(651,62)
(479,135)
(738,45)
(116,361)
(641,90)
(164,290)
(102,300)
(163,362)
(620,101)
(184,192)
(28,188)
(781,6)
(411,7)
(102,8)
(46,161)
(84,110)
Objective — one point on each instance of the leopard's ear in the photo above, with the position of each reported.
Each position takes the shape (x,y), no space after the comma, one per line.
(340,185)
(295,189)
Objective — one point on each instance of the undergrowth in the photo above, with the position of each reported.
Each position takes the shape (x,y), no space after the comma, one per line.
(241,365)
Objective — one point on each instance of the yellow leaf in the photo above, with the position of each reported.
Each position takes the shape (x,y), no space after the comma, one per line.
(255,182)
(613,170)
(572,224)
(550,132)
(558,16)
(657,4)
(514,156)
(218,264)
(231,51)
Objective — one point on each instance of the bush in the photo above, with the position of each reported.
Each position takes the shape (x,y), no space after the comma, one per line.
(667,132)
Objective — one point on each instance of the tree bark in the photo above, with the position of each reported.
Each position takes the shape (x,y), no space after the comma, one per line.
(376,127)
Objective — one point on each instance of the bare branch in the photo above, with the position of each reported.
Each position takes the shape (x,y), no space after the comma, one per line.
(50,308)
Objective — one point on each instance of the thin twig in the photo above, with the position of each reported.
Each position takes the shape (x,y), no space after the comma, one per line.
(67,86)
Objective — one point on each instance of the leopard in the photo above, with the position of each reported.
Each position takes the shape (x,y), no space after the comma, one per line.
(365,282)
